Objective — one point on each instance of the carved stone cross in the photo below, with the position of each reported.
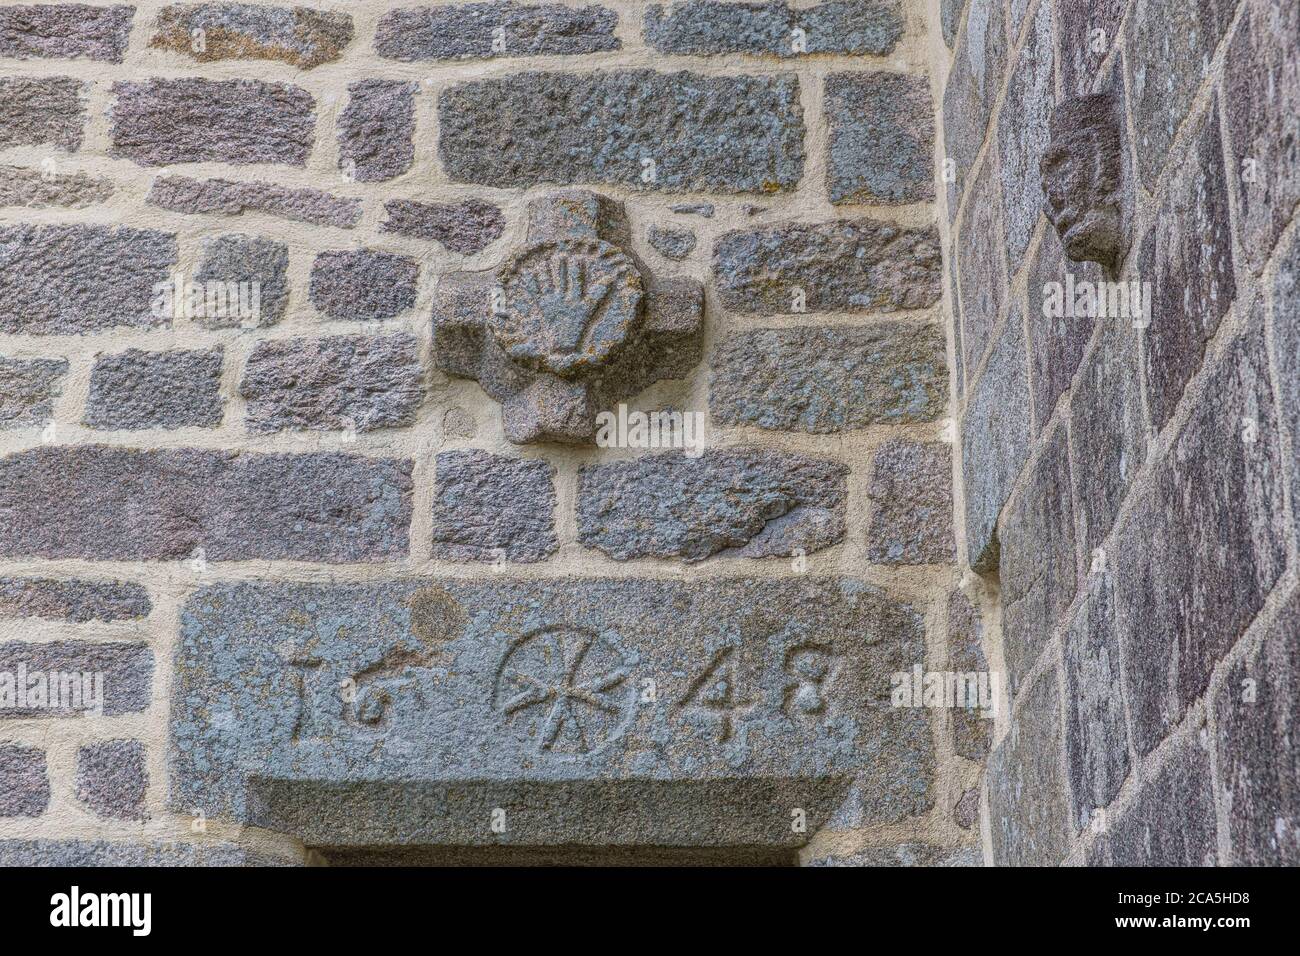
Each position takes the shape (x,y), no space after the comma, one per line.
(568,325)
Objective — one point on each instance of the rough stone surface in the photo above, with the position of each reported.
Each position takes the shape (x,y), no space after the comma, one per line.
(191,120)
(950,12)
(1188,256)
(358,382)
(768,694)
(981,267)
(671,243)
(28,388)
(905,854)
(85,853)
(466,227)
(24,783)
(1057,340)
(1286,345)
(61,280)
(995,442)
(1039,569)
(825,380)
(972,730)
(138,389)
(910,490)
(848,265)
(360,284)
(881,138)
(1262,82)
(77,601)
(709,27)
(1171,821)
(493,508)
(728,134)
(183,194)
(1195,561)
(65,31)
(966,812)
(1027,806)
(127,670)
(1257,712)
(484,30)
(299,36)
(112,779)
(972,89)
(42,111)
(748,503)
(704,209)
(102,503)
(236,258)
(377,129)
(35,189)
(1096,736)
(1023,132)
(1170,46)
(1079,53)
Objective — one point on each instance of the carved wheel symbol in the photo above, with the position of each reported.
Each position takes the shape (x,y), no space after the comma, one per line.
(570,686)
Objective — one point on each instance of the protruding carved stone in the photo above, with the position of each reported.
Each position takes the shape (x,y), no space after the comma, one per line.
(569,325)
(1084,176)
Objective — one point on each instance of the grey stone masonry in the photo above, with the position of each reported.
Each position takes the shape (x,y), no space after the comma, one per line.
(358,284)
(972,89)
(66,280)
(113,778)
(376,130)
(848,265)
(465,227)
(191,120)
(1171,821)
(671,243)
(881,138)
(83,853)
(184,194)
(360,382)
(775,28)
(972,727)
(637,128)
(299,36)
(825,380)
(77,601)
(24,781)
(247,259)
(138,389)
(484,30)
(747,503)
(65,31)
(116,676)
(102,503)
(493,508)
(28,388)
(37,189)
(42,111)
(910,490)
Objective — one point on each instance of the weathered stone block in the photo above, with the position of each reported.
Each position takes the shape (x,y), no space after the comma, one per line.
(66,280)
(1257,713)
(102,503)
(28,388)
(1057,339)
(113,779)
(671,243)
(1286,346)
(995,441)
(825,380)
(972,89)
(84,853)
(881,138)
(300,36)
(905,854)
(247,259)
(44,111)
(950,12)
(36,189)
(466,227)
(1196,560)
(493,508)
(65,31)
(24,782)
(1082,49)
(910,490)
(1096,736)
(138,389)
(1027,805)
(981,267)
(358,382)
(709,27)
(190,120)
(1169,48)
(78,601)
(752,504)
(848,265)
(126,670)
(484,30)
(377,129)
(1171,821)
(972,728)
(728,134)
(183,194)
(360,284)
(1039,567)
(768,695)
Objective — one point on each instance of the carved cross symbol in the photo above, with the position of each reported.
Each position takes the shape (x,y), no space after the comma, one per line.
(569,325)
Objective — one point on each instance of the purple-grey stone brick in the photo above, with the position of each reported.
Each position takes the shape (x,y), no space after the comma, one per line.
(359,284)
(113,779)
(78,601)
(24,782)
(376,130)
(493,508)
(138,389)
(910,490)
(65,31)
(881,138)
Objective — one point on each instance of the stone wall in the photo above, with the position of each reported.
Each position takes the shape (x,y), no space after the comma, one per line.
(1129,483)
(313,547)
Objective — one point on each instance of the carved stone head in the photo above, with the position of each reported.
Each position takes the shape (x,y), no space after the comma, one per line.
(1084,179)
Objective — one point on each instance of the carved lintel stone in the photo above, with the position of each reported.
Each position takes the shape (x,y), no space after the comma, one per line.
(569,324)
(1084,173)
